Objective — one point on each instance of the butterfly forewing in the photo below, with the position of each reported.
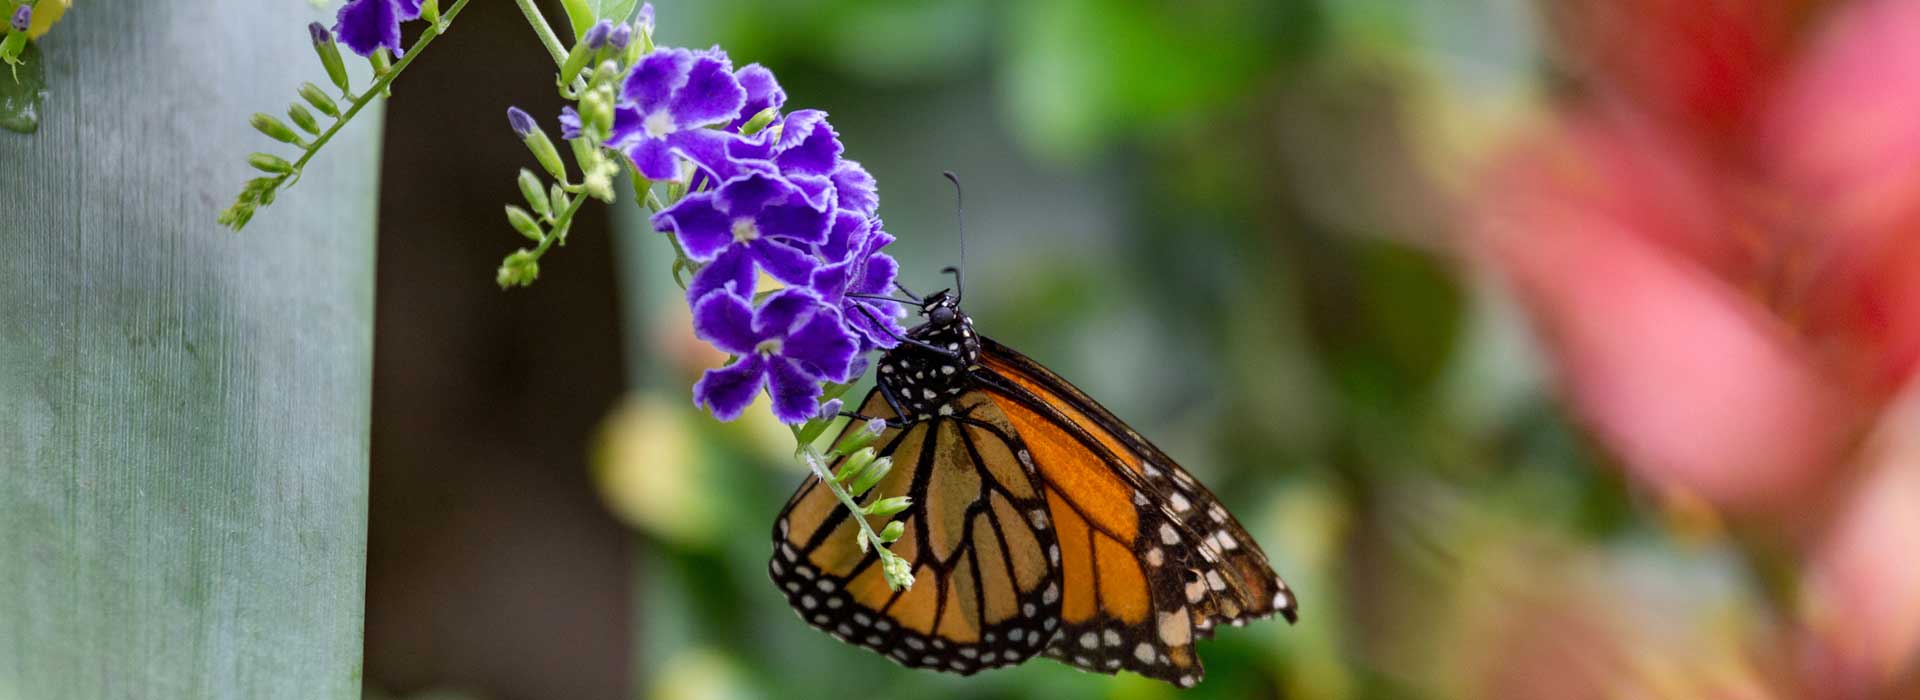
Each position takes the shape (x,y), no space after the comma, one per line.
(985,592)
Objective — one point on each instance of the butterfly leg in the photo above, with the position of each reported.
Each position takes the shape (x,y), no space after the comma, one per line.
(943,352)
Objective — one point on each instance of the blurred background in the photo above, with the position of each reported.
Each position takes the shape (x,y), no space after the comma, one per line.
(1550,349)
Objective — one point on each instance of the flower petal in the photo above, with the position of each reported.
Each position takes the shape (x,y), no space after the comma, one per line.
(855,189)
(780,313)
(707,150)
(569,123)
(702,228)
(847,235)
(748,194)
(808,146)
(733,271)
(653,158)
(711,95)
(367,25)
(656,77)
(830,281)
(876,322)
(794,222)
(816,190)
(796,396)
(822,345)
(763,91)
(725,320)
(877,276)
(727,391)
(408,9)
(784,262)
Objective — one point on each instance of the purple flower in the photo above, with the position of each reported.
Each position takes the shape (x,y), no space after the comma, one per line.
(620,37)
(22,18)
(596,35)
(569,123)
(367,25)
(854,189)
(809,149)
(856,266)
(787,346)
(521,122)
(645,18)
(752,223)
(670,95)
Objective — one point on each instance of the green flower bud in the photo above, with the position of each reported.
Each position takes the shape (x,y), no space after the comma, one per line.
(303,119)
(853,465)
(899,573)
(889,506)
(545,153)
(524,223)
(893,532)
(860,436)
(871,475)
(319,99)
(576,61)
(329,53)
(535,194)
(558,197)
(759,121)
(606,73)
(520,268)
(267,162)
(276,129)
(382,62)
(430,11)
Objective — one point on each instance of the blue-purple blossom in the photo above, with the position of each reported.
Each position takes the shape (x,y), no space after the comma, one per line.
(855,265)
(645,18)
(569,123)
(755,222)
(22,18)
(763,91)
(620,37)
(803,146)
(668,99)
(367,25)
(788,346)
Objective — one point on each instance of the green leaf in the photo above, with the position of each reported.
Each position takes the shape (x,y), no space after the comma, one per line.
(584,13)
(183,444)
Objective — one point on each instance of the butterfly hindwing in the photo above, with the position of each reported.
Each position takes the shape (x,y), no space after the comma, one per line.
(985,593)
(1239,583)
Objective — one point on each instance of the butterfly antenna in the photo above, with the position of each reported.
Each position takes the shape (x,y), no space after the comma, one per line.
(960,222)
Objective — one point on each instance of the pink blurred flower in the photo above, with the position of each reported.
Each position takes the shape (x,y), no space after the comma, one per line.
(1718,240)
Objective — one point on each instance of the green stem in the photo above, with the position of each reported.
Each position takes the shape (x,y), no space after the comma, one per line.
(380,84)
(819,467)
(545,31)
(560,225)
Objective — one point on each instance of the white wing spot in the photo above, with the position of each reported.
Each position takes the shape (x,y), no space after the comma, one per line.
(1214,581)
(1180,503)
(1051,594)
(1112,638)
(1089,640)
(1155,557)
(1167,535)
(1039,518)
(807,601)
(826,585)
(1143,652)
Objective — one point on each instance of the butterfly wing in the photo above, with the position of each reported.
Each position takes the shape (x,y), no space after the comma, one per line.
(1162,558)
(986,593)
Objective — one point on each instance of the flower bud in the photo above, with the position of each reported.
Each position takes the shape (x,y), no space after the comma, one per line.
(596,36)
(861,436)
(535,194)
(303,119)
(898,572)
(605,74)
(22,18)
(319,99)
(537,142)
(871,475)
(382,62)
(893,531)
(831,409)
(854,463)
(269,163)
(524,223)
(889,506)
(620,37)
(519,268)
(759,121)
(557,198)
(430,11)
(329,52)
(275,129)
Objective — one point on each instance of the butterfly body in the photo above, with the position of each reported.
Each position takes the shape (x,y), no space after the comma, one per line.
(1040,524)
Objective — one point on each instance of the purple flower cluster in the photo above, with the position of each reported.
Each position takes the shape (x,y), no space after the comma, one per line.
(780,202)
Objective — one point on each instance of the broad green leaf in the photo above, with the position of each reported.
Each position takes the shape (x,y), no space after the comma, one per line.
(584,13)
(183,440)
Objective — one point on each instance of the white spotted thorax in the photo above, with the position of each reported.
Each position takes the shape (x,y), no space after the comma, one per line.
(921,380)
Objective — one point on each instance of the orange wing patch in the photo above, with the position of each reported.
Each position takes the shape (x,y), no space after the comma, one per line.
(985,592)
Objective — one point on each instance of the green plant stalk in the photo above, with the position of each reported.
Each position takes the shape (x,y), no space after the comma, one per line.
(560,224)
(381,83)
(819,467)
(545,31)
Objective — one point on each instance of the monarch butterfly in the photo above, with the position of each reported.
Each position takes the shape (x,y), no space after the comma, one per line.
(1040,523)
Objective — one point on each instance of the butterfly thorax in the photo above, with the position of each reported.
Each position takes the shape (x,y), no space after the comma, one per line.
(924,379)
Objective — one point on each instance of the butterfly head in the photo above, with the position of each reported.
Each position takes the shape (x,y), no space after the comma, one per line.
(941,310)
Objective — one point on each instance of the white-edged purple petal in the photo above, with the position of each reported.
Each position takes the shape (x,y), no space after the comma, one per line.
(763,91)
(569,123)
(796,396)
(784,262)
(854,189)
(815,150)
(707,150)
(710,95)
(703,229)
(830,281)
(845,236)
(727,321)
(797,223)
(750,193)
(783,311)
(732,270)
(728,391)
(408,9)
(653,158)
(816,190)
(876,275)
(822,345)
(655,78)
(878,327)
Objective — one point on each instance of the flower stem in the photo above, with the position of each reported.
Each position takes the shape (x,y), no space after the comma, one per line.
(819,467)
(380,84)
(560,225)
(544,31)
